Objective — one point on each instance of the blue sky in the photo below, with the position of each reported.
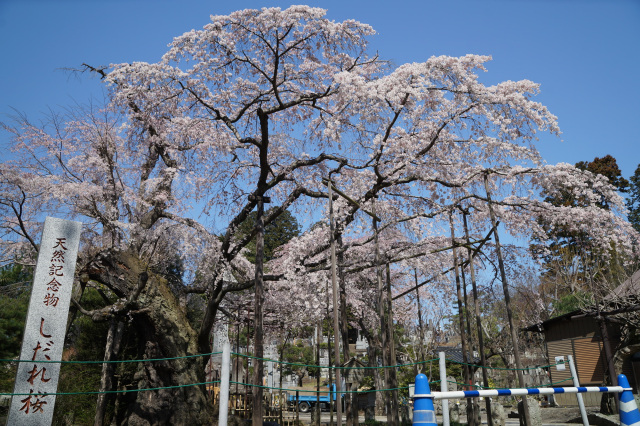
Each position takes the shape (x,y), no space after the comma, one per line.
(584,53)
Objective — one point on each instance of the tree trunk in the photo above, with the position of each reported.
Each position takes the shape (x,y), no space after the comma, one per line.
(476,306)
(507,302)
(373,351)
(258,366)
(163,331)
(380,383)
(461,318)
(336,313)
(381,301)
(318,342)
(420,353)
(166,333)
(344,328)
(393,377)
(114,337)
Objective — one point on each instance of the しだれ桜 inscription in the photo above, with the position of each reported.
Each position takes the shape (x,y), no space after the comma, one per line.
(38,372)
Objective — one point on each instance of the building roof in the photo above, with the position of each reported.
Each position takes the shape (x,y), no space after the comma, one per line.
(541,326)
(629,288)
(455,354)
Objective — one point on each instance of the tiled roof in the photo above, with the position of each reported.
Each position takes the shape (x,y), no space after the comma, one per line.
(455,354)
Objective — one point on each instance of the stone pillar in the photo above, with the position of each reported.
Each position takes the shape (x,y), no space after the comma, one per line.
(534,413)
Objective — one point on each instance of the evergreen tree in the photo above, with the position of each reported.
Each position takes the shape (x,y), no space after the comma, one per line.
(567,266)
(633,202)
(606,166)
(15,283)
(276,233)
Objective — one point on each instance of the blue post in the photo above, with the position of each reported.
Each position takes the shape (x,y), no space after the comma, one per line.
(423,412)
(629,415)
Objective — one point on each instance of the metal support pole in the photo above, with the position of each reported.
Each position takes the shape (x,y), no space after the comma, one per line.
(443,388)
(224,384)
(576,383)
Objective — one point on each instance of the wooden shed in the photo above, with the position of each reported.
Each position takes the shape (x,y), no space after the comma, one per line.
(580,336)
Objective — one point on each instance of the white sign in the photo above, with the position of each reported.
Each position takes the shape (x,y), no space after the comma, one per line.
(46,324)
(560,366)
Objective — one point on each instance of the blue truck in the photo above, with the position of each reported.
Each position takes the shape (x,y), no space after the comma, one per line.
(306,402)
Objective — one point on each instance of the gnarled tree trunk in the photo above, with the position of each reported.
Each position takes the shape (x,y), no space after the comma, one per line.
(163,331)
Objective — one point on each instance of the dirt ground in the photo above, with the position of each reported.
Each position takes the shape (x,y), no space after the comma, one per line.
(559,415)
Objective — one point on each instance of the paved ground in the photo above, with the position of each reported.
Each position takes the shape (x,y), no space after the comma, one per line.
(306,418)
(550,417)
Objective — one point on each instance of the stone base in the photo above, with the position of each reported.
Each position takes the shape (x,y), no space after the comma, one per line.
(534,413)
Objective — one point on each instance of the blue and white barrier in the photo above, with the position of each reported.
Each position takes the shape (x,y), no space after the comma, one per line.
(527,391)
(423,398)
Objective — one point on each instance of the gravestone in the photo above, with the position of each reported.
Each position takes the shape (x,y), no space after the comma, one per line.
(534,412)
(498,415)
(454,413)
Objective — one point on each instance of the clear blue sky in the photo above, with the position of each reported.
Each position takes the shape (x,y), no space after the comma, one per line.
(585,53)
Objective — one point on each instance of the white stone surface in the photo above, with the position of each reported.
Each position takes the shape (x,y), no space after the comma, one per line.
(46,324)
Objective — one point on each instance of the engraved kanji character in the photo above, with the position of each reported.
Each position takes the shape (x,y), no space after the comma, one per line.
(58,256)
(34,405)
(56,270)
(60,242)
(37,405)
(54,285)
(51,300)
(34,373)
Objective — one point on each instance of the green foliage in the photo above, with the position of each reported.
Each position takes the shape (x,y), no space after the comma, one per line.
(86,342)
(88,337)
(15,286)
(455,370)
(368,382)
(77,409)
(13,311)
(276,233)
(15,290)
(569,264)
(196,307)
(606,166)
(633,202)
(299,353)
(570,303)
